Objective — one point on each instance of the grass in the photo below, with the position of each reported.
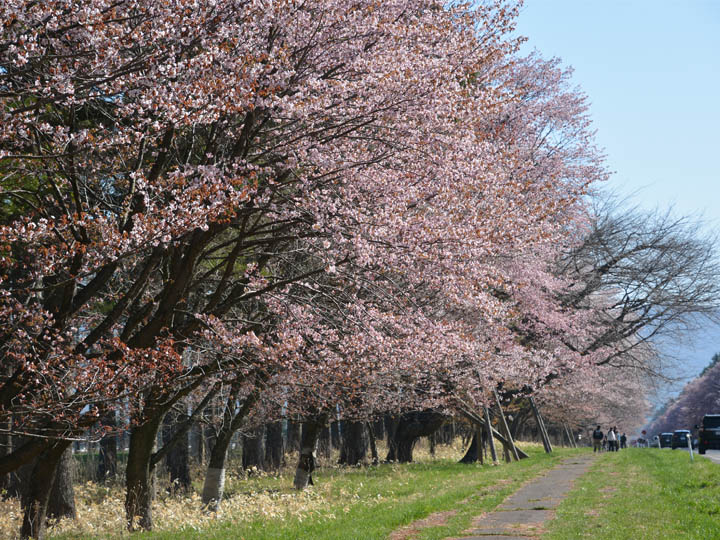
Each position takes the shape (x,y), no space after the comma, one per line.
(636,493)
(371,503)
(642,493)
(358,503)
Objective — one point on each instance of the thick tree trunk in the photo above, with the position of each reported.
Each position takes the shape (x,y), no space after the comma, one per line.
(377,430)
(177,459)
(274,447)
(197,444)
(293,436)
(391,428)
(324,446)
(6,445)
(62,495)
(253,445)
(140,476)
(107,464)
(373,446)
(410,428)
(209,437)
(311,430)
(474,451)
(518,423)
(354,443)
(335,434)
(35,499)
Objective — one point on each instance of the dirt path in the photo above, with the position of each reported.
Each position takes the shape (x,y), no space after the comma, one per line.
(524,513)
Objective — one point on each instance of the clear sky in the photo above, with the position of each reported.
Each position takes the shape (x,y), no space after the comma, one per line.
(651,70)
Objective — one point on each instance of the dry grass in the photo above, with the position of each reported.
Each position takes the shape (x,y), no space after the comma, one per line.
(101,514)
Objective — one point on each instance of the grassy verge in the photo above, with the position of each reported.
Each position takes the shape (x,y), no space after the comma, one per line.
(642,493)
(364,503)
(373,502)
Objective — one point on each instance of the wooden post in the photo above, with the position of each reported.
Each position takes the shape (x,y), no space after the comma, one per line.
(569,435)
(541,426)
(507,434)
(481,444)
(488,424)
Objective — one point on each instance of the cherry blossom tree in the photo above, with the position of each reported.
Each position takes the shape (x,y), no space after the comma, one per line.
(328,198)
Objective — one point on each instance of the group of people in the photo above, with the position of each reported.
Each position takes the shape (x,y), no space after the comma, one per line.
(608,441)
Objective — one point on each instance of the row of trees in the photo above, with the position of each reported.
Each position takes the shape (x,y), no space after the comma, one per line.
(302,210)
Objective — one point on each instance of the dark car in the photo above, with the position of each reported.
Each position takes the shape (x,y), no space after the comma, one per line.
(709,433)
(680,438)
(665,440)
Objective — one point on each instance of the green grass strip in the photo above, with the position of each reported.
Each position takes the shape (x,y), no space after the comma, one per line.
(642,493)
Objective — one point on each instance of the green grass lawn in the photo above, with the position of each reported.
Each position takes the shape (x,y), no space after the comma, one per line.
(642,493)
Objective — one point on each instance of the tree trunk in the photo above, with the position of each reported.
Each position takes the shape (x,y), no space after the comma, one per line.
(354,443)
(37,496)
(473,451)
(177,459)
(336,435)
(410,428)
(324,446)
(197,444)
(378,428)
(140,476)
(311,430)
(107,464)
(253,449)
(62,496)
(373,446)
(274,448)
(293,436)
(391,425)
(6,445)
(215,476)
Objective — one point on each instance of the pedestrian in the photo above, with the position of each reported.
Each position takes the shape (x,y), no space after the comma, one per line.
(623,441)
(612,439)
(597,438)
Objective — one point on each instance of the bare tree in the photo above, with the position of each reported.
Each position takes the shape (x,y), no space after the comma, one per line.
(658,274)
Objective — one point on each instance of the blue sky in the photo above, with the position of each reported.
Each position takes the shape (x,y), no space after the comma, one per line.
(651,70)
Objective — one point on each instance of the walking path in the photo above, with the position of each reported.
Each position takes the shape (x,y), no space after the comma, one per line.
(523,514)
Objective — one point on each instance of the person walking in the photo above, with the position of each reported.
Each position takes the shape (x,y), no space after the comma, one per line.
(597,438)
(623,441)
(612,439)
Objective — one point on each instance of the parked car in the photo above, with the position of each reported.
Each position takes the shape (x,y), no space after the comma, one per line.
(665,440)
(709,433)
(680,438)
